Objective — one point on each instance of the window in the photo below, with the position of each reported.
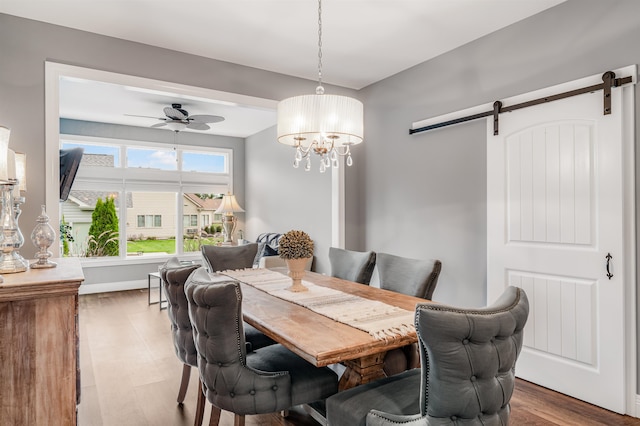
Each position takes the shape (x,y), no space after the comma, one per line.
(152,185)
(160,159)
(190,220)
(150,221)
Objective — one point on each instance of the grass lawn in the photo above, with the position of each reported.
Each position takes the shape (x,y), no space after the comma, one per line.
(167,246)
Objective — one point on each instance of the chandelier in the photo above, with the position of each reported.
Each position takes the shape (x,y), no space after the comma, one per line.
(326,125)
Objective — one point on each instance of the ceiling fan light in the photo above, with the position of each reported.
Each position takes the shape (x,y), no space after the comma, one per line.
(176,126)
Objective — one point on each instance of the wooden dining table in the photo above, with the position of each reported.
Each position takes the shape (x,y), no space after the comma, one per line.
(323,341)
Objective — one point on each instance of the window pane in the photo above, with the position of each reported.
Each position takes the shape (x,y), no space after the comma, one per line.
(204,162)
(162,159)
(151,238)
(96,155)
(80,239)
(199,207)
(140,221)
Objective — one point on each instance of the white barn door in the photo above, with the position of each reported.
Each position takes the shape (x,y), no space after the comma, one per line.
(555,212)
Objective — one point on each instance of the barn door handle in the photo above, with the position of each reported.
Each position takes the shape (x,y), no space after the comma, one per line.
(609,257)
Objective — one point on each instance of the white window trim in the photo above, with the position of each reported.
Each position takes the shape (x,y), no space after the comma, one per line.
(53,72)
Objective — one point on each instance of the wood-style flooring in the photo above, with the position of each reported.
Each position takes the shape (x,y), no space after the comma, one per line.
(130,376)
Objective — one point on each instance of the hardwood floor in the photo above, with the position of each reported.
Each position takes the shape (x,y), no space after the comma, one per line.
(130,376)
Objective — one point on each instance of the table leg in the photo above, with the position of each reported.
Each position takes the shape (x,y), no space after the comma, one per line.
(160,296)
(149,290)
(362,370)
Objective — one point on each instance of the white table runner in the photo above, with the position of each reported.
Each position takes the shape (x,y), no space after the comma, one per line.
(380,320)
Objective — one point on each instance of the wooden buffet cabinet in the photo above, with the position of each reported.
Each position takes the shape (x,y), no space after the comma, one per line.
(39,345)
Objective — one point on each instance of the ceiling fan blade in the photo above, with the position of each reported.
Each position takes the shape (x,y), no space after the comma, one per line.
(204,118)
(175,113)
(197,126)
(160,124)
(144,116)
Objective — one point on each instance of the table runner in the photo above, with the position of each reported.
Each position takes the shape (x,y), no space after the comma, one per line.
(380,320)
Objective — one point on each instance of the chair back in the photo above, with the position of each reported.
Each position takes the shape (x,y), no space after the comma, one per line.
(173,276)
(222,258)
(215,309)
(468,359)
(352,265)
(412,277)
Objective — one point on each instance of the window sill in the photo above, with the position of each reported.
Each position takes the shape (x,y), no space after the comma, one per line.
(89,262)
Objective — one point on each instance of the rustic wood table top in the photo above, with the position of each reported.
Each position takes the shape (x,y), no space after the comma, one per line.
(321,340)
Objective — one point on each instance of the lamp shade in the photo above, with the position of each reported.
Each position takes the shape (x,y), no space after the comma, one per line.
(11,164)
(21,170)
(229,205)
(4,152)
(315,117)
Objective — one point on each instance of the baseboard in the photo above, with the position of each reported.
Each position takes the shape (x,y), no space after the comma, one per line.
(117,286)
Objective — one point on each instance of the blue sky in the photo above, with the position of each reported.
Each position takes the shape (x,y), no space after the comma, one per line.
(157,158)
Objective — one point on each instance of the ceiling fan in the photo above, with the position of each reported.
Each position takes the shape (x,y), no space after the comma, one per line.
(178,119)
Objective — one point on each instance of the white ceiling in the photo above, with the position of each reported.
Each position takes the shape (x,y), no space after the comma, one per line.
(363,41)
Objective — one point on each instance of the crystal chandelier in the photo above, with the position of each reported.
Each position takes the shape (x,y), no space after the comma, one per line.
(326,125)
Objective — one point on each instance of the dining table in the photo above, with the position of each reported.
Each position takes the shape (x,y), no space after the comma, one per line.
(324,341)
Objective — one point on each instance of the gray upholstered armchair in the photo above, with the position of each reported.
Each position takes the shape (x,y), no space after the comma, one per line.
(173,276)
(352,265)
(467,374)
(221,258)
(269,380)
(414,277)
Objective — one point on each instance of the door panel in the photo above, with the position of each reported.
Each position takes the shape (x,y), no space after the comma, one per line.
(555,210)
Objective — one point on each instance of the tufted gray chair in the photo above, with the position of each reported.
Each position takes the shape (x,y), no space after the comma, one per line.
(412,277)
(269,380)
(221,258)
(467,375)
(352,265)
(173,276)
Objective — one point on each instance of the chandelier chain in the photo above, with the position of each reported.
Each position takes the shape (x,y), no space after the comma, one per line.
(320,43)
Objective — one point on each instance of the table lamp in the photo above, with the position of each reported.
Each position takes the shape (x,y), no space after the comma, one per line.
(227,208)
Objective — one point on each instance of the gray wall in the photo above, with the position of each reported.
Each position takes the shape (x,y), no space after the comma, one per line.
(424,195)
(281,198)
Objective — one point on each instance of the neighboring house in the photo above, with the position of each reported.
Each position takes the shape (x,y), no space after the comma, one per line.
(199,213)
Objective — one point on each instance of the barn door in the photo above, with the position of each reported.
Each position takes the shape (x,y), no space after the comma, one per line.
(555,227)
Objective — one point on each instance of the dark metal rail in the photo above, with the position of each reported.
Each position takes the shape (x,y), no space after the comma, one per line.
(608,81)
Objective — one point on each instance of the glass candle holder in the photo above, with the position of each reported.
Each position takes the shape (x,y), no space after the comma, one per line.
(43,237)
(10,260)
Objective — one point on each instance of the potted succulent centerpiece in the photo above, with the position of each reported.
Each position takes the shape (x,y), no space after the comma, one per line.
(296,247)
